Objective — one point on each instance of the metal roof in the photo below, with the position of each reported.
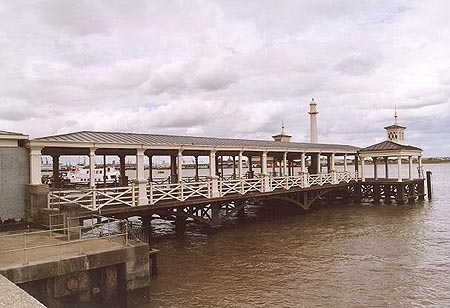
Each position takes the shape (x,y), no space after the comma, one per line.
(168,140)
(2,132)
(394,126)
(389,146)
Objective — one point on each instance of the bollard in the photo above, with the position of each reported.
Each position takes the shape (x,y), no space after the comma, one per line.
(429,185)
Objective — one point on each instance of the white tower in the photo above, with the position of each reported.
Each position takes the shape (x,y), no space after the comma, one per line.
(313,120)
(395,132)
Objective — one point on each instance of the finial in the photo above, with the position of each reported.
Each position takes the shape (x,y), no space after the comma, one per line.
(395,115)
(282,126)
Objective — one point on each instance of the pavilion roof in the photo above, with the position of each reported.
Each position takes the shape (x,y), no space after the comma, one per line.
(389,146)
(173,140)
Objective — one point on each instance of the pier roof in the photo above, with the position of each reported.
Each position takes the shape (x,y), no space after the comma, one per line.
(153,140)
(389,147)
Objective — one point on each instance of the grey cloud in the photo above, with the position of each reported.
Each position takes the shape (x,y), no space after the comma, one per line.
(357,65)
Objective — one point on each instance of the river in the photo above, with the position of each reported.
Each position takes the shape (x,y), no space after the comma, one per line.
(354,255)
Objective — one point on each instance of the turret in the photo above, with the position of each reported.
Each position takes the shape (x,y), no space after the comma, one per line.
(396,132)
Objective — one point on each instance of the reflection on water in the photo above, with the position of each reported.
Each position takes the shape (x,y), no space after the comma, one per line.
(331,256)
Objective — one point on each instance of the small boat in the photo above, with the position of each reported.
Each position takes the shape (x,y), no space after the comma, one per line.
(80,175)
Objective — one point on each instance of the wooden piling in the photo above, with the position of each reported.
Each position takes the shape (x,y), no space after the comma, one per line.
(429,185)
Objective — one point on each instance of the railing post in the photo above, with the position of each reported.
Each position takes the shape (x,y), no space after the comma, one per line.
(306,180)
(241,180)
(181,191)
(94,199)
(214,180)
(334,179)
(150,192)
(286,177)
(25,251)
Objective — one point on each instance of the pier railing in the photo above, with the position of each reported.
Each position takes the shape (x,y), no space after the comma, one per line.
(29,245)
(156,193)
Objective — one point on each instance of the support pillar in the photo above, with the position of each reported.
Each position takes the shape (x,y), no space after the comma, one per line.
(123,177)
(285,164)
(215,219)
(386,167)
(140,178)
(345,163)
(356,166)
(197,178)
(315,163)
(234,167)
(92,167)
(375,167)
(264,175)
(399,168)
(104,170)
(180,166)
(180,225)
(410,164)
(332,169)
(241,171)
(173,169)
(150,167)
(363,176)
(56,181)
(213,178)
(303,163)
(250,167)
(420,167)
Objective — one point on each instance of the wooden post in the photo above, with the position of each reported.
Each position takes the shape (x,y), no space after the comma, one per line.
(375,167)
(429,185)
(150,168)
(386,167)
(196,168)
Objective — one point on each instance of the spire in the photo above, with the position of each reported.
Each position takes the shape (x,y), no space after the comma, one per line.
(282,127)
(313,120)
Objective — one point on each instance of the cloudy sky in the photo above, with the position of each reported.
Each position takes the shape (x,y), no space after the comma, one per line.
(231,68)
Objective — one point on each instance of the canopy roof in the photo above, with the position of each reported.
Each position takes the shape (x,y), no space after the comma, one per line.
(389,148)
(127,140)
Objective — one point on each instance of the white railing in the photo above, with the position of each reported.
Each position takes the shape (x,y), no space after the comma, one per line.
(178,191)
(94,199)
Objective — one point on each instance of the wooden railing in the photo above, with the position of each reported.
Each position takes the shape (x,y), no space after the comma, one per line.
(95,199)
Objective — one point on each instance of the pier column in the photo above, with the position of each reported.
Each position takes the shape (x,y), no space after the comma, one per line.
(150,167)
(264,176)
(180,166)
(419,167)
(241,171)
(196,168)
(250,167)
(140,177)
(386,167)
(399,168)
(173,169)
(410,164)
(92,167)
(234,166)
(35,166)
(56,180)
(345,163)
(123,178)
(356,166)
(213,178)
(375,167)
(285,164)
(363,176)
(333,169)
(303,163)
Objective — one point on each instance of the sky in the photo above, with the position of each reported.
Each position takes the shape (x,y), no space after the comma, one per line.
(231,68)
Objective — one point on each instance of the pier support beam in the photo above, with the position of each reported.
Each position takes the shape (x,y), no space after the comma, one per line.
(140,178)
(56,183)
(35,166)
(212,175)
(92,167)
(264,175)
(241,170)
(399,168)
(180,225)
(123,177)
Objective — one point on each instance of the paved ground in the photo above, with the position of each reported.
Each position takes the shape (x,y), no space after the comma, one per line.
(13,296)
(55,248)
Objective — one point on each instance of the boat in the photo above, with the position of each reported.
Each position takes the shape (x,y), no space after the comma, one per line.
(80,175)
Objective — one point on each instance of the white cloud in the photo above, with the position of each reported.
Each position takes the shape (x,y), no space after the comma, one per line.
(227,68)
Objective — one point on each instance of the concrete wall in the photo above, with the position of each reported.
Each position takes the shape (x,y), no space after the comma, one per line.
(13,296)
(14,178)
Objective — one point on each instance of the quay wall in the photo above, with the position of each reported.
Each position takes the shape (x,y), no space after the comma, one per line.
(13,296)
(14,177)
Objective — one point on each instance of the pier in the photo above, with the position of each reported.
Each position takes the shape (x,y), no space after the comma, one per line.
(225,177)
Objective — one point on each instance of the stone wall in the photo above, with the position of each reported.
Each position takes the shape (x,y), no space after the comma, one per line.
(14,178)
